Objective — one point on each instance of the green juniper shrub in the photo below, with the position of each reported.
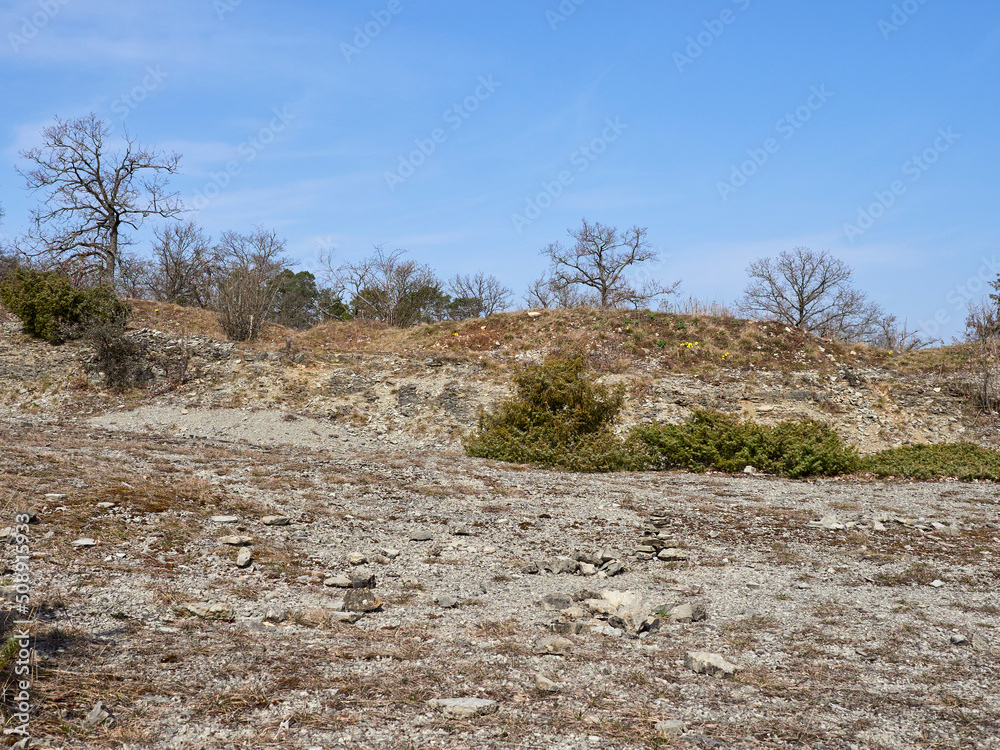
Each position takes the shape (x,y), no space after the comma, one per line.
(712,440)
(51,308)
(965,461)
(559,416)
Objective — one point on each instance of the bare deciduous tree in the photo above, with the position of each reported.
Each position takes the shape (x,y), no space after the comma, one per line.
(546,291)
(386,288)
(982,331)
(600,260)
(93,194)
(185,267)
(486,293)
(889,334)
(246,292)
(811,291)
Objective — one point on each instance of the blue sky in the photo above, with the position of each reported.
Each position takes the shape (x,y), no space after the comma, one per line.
(472,135)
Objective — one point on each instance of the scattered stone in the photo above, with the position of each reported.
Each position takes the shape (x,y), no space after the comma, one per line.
(554,645)
(556,602)
(348,617)
(236,541)
(598,628)
(531,569)
(672,726)
(568,627)
(106,505)
(421,536)
(361,600)
(276,520)
(100,714)
(534,314)
(685,613)
(703,662)
(362,579)
(275,615)
(389,552)
(461,531)
(749,470)
(937,583)
(211,611)
(546,685)
(672,554)
(562,565)
(612,568)
(81,543)
(587,569)
(356,558)
(340,582)
(244,558)
(55,497)
(446,602)
(225,519)
(464,708)
(957,639)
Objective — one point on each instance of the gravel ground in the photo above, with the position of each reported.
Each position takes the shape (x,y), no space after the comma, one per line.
(859,615)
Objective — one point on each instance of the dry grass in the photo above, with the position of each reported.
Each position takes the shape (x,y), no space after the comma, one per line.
(617,341)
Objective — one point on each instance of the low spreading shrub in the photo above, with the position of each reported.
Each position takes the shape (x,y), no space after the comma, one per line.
(51,308)
(712,440)
(964,461)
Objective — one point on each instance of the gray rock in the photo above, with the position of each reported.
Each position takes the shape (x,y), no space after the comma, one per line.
(546,685)
(356,558)
(554,645)
(568,627)
(362,579)
(348,617)
(589,559)
(710,664)
(225,519)
(100,714)
(276,520)
(244,558)
(672,554)
(531,569)
(446,602)
(586,569)
(464,708)
(612,568)
(211,611)
(340,582)
(361,600)
(55,497)
(83,543)
(957,639)
(672,726)
(562,565)
(461,531)
(421,536)
(688,613)
(556,602)
(389,552)
(235,541)
(275,614)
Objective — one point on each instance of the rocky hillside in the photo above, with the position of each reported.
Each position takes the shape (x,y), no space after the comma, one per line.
(428,384)
(283,546)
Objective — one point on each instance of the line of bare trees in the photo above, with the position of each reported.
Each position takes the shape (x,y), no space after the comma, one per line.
(95,190)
